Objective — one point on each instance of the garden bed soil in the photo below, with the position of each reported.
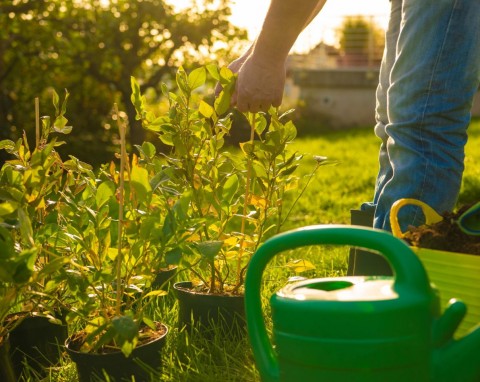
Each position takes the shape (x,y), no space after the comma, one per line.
(445,235)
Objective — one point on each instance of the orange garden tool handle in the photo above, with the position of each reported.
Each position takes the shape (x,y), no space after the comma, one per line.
(431,216)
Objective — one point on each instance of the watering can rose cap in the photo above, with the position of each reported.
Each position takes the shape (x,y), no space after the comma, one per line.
(469,221)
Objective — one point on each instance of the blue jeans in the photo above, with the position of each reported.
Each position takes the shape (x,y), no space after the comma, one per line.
(429,75)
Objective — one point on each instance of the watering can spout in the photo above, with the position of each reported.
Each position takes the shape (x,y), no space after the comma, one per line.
(455,360)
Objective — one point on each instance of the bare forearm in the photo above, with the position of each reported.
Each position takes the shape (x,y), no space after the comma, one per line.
(261,70)
(284,21)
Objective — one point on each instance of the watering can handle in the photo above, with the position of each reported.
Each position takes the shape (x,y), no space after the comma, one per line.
(409,275)
(431,216)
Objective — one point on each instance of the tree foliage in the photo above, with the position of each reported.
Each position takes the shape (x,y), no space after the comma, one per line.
(92,48)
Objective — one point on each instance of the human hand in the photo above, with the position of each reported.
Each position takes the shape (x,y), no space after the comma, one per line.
(259,85)
(234,66)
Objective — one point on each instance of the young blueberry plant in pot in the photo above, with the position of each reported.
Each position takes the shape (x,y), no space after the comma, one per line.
(235,196)
(163,227)
(31,306)
(16,270)
(103,219)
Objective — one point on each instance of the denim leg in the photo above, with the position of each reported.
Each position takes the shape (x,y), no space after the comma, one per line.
(432,82)
(381,112)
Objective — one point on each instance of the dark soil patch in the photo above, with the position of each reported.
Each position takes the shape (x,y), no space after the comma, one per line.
(145,336)
(444,236)
(224,290)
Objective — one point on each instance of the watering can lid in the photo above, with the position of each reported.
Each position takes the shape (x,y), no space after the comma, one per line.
(356,288)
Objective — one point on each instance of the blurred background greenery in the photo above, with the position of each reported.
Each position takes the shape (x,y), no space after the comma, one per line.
(91,48)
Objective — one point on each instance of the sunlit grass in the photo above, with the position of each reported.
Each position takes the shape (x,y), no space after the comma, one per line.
(337,188)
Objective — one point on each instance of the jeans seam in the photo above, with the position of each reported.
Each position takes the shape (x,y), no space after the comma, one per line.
(429,162)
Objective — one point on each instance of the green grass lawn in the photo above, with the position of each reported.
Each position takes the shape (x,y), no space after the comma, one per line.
(334,191)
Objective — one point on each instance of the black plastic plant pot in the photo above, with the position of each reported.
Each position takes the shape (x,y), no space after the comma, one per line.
(210,313)
(36,341)
(362,262)
(144,361)
(7,372)
(164,278)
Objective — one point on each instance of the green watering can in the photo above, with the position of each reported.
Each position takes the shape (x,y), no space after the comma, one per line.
(359,328)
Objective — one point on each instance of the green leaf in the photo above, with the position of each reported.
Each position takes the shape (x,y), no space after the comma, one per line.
(259,170)
(205,109)
(128,346)
(169,225)
(173,257)
(7,144)
(125,327)
(164,89)
(209,249)
(226,76)
(290,131)
(288,170)
(22,274)
(59,125)
(45,126)
(213,70)
(53,265)
(197,78)
(167,138)
(182,81)
(25,226)
(148,149)
(7,208)
(288,112)
(25,263)
(247,147)
(147,321)
(156,293)
(55,99)
(260,123)
(140,182)
(230,188)
(180,148)
(274,139)
(64,103)
(290,160)
(104,192)
(300,266)
(223,101)
(136,97)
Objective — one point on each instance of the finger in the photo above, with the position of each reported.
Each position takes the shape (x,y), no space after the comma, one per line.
(245,104)
(264,106)
(277,102)
(218,89)
(256,107)
(242,106)
(233,98)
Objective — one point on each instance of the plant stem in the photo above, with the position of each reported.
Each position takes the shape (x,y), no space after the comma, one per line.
(310,176)
(121,128)
(247,198)
(212,276)
(37,122)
